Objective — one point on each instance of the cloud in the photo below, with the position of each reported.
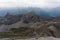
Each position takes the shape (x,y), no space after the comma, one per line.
(22,3)
(29,3)
(53,3)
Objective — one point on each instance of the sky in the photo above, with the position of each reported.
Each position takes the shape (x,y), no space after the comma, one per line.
(30,3)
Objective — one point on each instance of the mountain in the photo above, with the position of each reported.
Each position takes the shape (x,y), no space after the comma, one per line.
(14,11)
(54,12)
(29,25)
(22,20)
(38,11)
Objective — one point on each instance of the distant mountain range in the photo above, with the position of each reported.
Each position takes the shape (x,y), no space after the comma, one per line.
(41,12)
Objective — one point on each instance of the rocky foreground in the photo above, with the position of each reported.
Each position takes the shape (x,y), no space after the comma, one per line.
(42,38)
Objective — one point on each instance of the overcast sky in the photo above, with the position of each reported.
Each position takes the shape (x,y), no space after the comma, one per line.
(30,3)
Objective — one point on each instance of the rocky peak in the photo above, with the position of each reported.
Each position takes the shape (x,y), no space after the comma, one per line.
(30,17)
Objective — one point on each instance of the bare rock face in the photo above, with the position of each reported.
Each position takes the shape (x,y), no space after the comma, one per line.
(56,29)
(51,30)
(42,38)
(30,17)
(41,26)
(16,21)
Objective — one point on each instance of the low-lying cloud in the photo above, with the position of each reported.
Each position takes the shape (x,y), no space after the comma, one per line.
(30,3)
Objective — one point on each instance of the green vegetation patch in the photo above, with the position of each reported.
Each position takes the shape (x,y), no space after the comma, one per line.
(22,31)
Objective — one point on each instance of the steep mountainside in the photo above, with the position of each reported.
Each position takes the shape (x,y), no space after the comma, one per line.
(29,25)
